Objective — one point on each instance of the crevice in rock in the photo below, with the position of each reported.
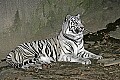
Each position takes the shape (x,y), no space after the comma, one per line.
(103,35)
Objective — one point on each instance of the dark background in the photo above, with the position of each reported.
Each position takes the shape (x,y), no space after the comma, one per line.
(28,20)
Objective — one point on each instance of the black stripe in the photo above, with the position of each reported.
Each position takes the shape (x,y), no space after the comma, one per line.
(54,41)
(68,50)
(26,44)
(43,41)
(55,52)
(81,47)
(36,56)
(30,49)
(40,48)
(15,56)
(83,55)
(79,54)
(50,48)
(25,47)
(20,53)
(69,38)
(86,55)
(51,55)
(39,45)
(46,51)
(35,42)
(34,49)
(72,49)
(9,56)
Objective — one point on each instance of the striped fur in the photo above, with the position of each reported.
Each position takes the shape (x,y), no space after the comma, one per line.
(67,46)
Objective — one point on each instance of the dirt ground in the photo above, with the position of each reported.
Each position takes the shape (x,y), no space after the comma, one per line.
(72,71)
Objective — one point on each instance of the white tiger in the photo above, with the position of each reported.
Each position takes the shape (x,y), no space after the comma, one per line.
(67,46)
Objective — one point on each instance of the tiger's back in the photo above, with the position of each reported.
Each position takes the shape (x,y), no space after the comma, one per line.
(44,51)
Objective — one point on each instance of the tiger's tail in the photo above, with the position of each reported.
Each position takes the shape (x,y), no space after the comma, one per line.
(3,60)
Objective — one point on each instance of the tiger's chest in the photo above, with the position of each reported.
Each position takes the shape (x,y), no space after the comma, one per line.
(70,47)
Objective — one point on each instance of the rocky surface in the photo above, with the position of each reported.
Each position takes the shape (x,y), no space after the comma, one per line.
(73,71)
(46,22)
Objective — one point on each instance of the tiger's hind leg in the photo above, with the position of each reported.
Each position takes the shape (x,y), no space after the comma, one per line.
(37,63)
(28,63)
(71,58)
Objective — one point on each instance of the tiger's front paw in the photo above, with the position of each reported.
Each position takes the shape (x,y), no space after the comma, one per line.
(86,61)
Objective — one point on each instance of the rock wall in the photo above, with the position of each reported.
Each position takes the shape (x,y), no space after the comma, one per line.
(41,19)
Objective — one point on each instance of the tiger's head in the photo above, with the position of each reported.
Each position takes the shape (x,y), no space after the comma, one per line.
(72,27)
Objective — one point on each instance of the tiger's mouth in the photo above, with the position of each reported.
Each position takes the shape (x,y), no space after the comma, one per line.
(78,30)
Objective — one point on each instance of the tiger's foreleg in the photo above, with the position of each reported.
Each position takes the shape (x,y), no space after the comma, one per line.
(88,54)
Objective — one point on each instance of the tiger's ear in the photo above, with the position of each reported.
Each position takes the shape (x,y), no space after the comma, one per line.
(78,15)
(67,17)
